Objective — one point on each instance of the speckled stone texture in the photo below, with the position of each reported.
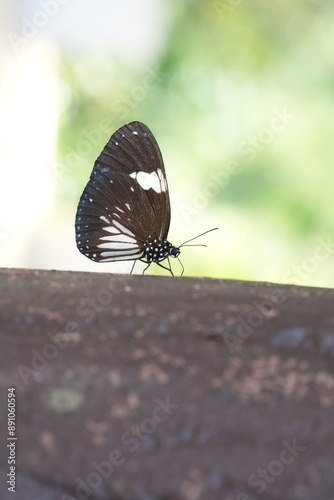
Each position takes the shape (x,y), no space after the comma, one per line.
(162,388)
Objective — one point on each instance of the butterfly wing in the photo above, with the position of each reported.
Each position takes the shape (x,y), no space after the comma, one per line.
(126,199)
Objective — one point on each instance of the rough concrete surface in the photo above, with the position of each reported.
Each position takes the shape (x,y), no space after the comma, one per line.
(162,388)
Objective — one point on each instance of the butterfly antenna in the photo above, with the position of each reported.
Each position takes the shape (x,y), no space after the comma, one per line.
(200,245)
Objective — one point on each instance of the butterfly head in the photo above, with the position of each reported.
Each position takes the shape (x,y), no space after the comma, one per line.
(174,252)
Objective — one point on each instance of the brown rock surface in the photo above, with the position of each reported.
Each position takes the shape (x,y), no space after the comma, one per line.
(161,388)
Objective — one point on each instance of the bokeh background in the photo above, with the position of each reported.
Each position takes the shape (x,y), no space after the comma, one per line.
(239,94)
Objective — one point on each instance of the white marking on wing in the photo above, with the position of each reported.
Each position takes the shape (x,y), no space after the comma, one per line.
(103,170)
(117,245)
(111,229)
(124,257)
(128,206)
(122,228)
(135,132)
(102,217)
(120,237)
(154,180)
(162,179)
(122,254)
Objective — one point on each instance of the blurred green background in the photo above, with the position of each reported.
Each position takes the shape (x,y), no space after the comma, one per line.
(240,97)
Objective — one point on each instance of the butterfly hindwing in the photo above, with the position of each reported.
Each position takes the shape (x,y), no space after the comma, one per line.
(126,199)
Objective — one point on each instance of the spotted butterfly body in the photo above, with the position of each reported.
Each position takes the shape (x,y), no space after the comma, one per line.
(124,210)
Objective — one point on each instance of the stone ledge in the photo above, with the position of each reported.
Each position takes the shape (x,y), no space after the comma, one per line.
(161,388)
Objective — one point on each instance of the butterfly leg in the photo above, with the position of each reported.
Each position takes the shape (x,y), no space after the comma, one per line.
(181,266)
(133,265)
(160,265)
(148,265)
(167,268)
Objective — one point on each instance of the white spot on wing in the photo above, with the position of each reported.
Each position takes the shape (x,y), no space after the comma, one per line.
(135,132)
(102,217)
(154,180)
(128,206)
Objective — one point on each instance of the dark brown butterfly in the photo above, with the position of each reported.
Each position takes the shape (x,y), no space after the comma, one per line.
(124,211)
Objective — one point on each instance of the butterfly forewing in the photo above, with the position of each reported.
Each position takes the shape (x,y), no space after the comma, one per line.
(126,200)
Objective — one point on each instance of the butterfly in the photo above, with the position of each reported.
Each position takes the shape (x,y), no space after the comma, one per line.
(124,210)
